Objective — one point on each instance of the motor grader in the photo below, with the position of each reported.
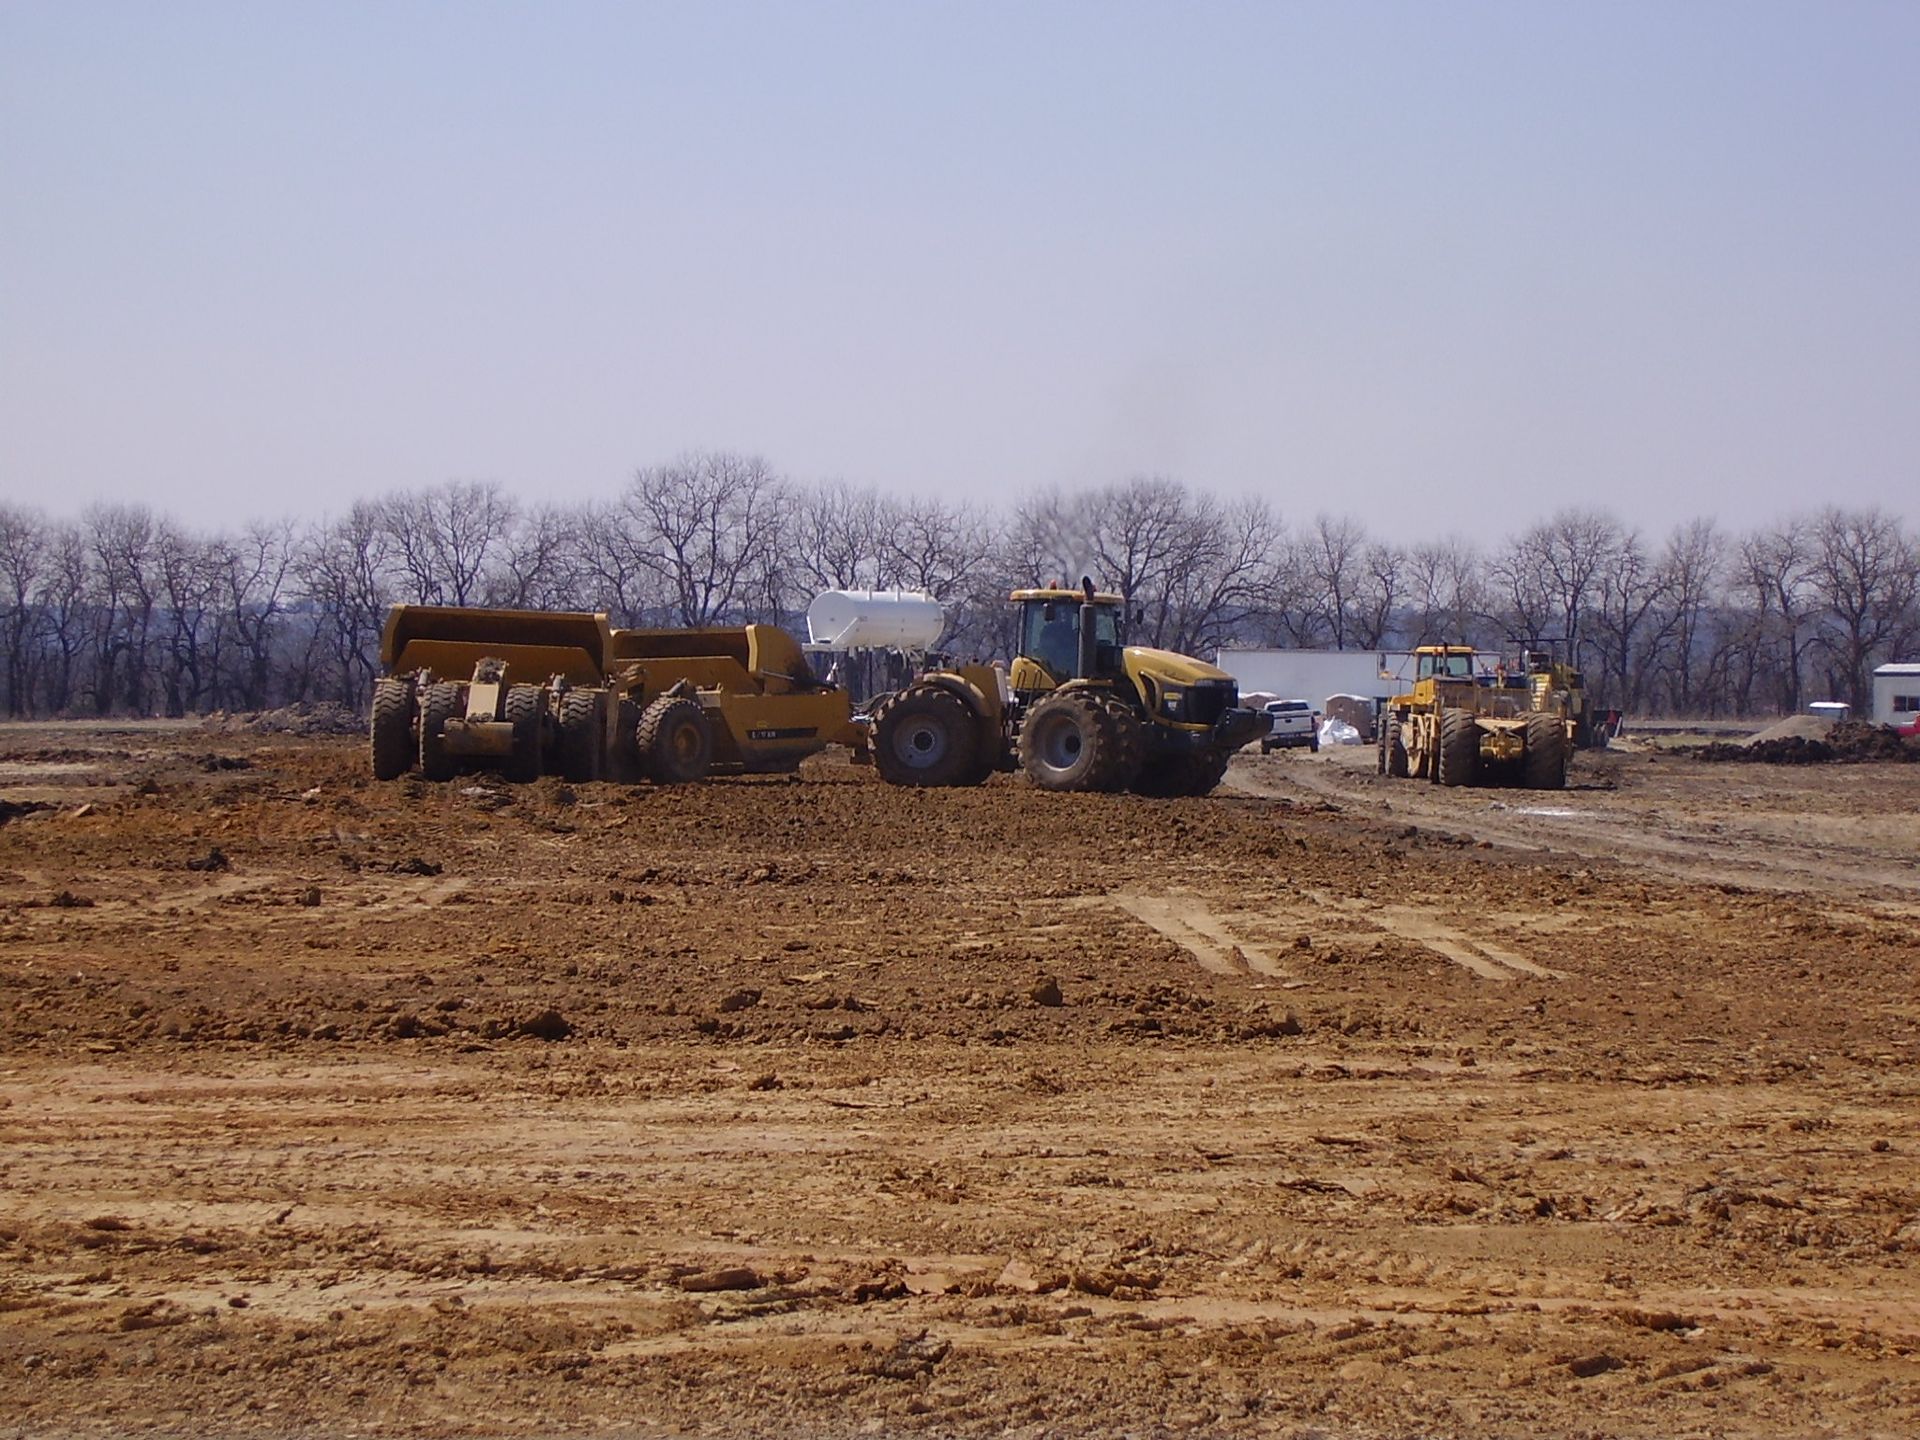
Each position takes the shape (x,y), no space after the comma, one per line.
(1459,727)
(558,692)
(1076,710)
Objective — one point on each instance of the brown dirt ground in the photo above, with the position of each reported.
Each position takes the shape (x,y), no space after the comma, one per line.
(1324,1106)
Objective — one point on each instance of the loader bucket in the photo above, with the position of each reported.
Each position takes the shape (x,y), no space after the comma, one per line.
(536,645)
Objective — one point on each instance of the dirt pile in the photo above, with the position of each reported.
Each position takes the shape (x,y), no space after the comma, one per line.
(305,717)
(1852,742)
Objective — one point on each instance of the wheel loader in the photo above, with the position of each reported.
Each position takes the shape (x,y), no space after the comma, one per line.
(1076,710)
(539,692)
(1459,727)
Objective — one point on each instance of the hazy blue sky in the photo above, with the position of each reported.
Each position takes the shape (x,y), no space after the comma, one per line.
(1438,265)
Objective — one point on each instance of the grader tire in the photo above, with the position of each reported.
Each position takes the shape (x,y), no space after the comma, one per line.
(392,729)
(1459,752)
(1546,759)
(1068,743)
(1393,748)
(526,709)
(925,736)
(674,741)
(580,737)
(439,705)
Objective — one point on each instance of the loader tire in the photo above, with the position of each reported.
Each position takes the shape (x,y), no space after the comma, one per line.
(1130,742)
(925,736)
(1393,748)
(1546,759)
(439,705)
(526,712)
(674,741)
(579,743)
(1459,750)
(392,729)
(1068,743)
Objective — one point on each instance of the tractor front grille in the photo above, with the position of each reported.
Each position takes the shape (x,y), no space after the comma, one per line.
(1208,700)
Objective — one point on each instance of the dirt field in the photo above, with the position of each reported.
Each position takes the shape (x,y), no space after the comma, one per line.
(1325,1106)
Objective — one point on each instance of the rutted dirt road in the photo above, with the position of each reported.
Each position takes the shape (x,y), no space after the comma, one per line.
(1323,1106)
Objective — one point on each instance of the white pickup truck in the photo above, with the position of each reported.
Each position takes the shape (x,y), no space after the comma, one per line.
(1294,722)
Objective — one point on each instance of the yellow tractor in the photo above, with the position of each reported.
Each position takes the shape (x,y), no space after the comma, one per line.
(537,692)
(1459,727)
(1076,710)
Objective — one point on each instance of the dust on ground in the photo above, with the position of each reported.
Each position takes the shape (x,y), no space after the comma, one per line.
(1327,1105)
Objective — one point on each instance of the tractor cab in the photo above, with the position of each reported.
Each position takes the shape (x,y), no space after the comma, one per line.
(1443,662)
(1050,652)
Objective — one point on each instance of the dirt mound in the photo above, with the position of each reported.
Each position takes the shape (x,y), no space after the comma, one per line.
(1793,727)
(1853,742)
(325,717)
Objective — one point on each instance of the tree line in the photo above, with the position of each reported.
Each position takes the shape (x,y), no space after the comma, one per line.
(124,611)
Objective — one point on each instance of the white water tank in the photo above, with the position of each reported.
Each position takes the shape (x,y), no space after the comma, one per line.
(874,619)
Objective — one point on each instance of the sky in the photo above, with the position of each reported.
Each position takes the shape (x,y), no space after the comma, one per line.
(1446,268)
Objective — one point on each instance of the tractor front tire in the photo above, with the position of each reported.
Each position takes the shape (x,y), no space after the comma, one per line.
(1546,759)
(674,741)
(439,705)
(392,729)
(1068,743)
(1129,742)
(1459,751)
(925,736)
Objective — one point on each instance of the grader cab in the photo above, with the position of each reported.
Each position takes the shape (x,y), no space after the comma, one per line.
(1077,709)
(1459,726)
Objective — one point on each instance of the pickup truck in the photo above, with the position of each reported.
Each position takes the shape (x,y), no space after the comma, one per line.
(1294,722)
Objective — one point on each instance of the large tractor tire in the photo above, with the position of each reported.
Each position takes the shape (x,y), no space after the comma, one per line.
(1068,743)
(392,729)
(1458,755)
(1129,742)
(1546,759)
(526,712)
(674,741)
(1393,747)
(581,731)
(439,705)
(925,735)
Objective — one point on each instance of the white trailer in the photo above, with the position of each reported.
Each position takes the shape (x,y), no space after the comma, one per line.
(1313,675)
(1896,694)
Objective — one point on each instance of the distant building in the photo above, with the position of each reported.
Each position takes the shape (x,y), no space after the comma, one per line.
(1896,694)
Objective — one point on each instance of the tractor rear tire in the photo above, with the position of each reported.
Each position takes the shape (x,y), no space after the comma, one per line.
(439,705)
(1546,758)
(1068,743)
(526,713)
(392,729)
(1393,748)
(674,741)
(1459,751)
(925,736)
(581,732)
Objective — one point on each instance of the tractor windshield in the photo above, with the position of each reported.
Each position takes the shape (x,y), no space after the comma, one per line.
(1050,633)
(1445,667)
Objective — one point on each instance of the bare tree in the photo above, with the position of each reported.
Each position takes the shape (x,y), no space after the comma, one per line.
(704,524)
(441,537)
(1864,574)
(23,555)
(1446,592)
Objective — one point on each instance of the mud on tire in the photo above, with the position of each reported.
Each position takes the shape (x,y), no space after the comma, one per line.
(674,741)
(392,729)
(1393,748)
(1129,741)
(925,735)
